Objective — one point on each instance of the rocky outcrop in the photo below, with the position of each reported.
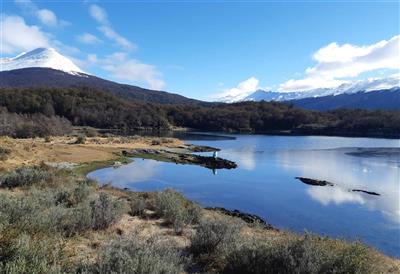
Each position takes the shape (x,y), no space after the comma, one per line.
(246,217)
(181,158)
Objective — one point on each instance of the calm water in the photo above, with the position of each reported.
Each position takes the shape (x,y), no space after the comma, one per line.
(264,184)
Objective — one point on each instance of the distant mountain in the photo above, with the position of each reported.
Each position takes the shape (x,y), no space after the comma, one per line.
(45,67)
(368,85)
(40,57)
(388,99)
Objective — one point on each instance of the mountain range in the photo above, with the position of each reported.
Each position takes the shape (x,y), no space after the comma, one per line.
(45,67)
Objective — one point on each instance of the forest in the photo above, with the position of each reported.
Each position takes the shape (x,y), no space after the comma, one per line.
(62,107)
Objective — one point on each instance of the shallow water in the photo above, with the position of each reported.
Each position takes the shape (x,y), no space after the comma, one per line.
(265,184)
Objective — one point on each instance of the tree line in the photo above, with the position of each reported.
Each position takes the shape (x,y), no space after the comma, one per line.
(91,107)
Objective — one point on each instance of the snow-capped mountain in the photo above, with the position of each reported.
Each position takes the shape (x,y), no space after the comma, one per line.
(40,57)
(372,84)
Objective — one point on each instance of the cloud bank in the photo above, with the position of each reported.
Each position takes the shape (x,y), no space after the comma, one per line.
(17,36)
(45,16)
(337,63)
(121,67)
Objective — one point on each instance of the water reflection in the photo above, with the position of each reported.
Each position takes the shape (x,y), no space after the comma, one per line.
(377,174)
(125,176)
(265,184)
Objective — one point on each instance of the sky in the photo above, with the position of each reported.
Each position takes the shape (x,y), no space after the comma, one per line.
(208,49)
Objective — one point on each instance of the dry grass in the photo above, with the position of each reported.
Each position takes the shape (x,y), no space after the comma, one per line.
(65,150)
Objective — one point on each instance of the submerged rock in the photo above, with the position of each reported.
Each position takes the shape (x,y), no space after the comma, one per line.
(366,192)
(246,217)
(314,182)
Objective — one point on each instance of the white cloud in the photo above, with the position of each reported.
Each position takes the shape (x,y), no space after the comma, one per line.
(239,92)
(17,36)
(121,67)
(120,40)
(100,15)
(88,38)
(337,63)
(45,16)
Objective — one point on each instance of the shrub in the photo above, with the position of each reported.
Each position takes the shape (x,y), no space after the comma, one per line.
(105,211)
(81,192)
(156,142)
(176,210)
(81,139)
(26,255)
(215,236)
(90,132)
(137,206)
(24,176)
(133,255)
(71,221)
(4,152)
(305,254)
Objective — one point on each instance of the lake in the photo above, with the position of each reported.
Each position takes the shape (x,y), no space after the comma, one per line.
(264,184)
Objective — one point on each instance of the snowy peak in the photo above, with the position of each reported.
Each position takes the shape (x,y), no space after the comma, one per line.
(40,57)
(367,85)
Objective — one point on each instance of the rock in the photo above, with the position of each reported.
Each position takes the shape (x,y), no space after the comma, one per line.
(366,192)
(314,182)
(246,217)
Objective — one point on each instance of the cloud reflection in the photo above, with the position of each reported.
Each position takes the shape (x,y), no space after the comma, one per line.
(124,176)
(378,174)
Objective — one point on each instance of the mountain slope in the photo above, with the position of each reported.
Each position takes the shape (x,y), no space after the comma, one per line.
(40,57)
(46,77)
(380,99)
(45,67)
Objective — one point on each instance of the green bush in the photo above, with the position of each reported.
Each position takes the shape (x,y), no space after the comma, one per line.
(4,152)
(133,255)
(306,254)
(24,176)
(176,210)
(105,211)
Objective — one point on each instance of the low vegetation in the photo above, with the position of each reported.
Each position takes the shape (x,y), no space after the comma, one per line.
(32,125)
(4,153)
(176,210)
(55,221)
(39,110)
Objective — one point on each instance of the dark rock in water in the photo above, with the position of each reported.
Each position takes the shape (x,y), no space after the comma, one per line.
(314,182)
(366,192)
(246,217)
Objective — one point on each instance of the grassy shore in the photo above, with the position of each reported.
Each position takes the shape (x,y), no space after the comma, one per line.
(56,220)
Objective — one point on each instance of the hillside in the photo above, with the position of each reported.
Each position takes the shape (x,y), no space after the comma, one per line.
(46,77)
(96,108)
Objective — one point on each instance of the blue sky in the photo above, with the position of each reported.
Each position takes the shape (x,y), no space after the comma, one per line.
(203,49)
